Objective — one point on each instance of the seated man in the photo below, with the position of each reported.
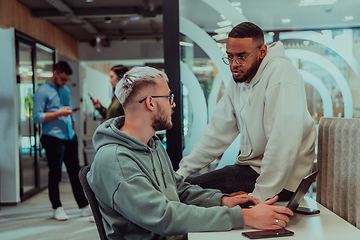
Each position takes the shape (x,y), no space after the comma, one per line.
(140,195)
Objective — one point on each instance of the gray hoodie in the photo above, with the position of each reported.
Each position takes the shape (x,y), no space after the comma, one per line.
(141,197)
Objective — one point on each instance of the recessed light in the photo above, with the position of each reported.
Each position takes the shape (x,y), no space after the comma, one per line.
(236,4)
(186,44)
(135,18)
(223,30)
(221,36)
(348,18)
(224,23)
(107,20)
(305,3)
(89,0)
(286,20)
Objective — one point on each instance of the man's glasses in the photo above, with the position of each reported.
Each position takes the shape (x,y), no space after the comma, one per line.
(241,60)
(171,98)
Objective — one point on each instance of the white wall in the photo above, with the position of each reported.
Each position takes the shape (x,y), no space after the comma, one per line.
(146,50)
(9,147)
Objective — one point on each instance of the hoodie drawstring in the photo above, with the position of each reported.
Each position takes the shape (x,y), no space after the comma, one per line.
(162,170)
(154,170)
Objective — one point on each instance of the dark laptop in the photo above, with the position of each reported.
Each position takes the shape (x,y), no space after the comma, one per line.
(301,191)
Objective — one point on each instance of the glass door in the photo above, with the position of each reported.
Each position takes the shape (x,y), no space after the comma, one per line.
(27,139)
(34,65)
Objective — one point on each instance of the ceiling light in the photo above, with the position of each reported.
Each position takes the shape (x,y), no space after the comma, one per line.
(107,20)
(221,36)
(89,0)
(223,30)
(186,44)
(98,41)
(286,20)
(305,3)
(135,18)
(349,18)
(236,4)
(306,43)
(224,23)
(271,33)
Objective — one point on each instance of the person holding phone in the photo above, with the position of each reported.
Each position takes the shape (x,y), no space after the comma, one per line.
(53,110)
(115,109)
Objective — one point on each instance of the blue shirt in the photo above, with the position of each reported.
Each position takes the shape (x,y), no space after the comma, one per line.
(49,98)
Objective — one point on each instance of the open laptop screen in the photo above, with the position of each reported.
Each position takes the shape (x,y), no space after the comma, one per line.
(301,191)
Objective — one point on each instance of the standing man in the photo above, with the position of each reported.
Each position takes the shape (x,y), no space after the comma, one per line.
(140,196)
(266,104)
(52,108)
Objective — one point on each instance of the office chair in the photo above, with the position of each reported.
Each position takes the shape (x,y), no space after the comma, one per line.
(338,159)
(93,201)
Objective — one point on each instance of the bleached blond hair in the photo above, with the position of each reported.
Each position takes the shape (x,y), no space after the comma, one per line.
(134,78)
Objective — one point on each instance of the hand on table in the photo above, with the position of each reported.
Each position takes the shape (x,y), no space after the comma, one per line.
(243,200)
(266,216)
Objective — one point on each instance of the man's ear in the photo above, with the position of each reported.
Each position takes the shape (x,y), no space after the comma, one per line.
(149,104)
(263,51)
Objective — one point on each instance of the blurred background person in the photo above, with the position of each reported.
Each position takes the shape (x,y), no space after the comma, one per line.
(53,110)
(115,109)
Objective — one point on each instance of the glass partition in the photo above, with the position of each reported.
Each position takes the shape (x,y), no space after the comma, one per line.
(34,65)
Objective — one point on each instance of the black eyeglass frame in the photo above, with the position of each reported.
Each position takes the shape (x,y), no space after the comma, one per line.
(226,60)
(171,98)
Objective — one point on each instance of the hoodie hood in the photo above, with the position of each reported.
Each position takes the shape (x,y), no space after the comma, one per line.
(274,52)
(146,156)
(109,133)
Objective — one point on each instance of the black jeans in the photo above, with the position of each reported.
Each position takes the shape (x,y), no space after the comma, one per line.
(233,178)
(57,152)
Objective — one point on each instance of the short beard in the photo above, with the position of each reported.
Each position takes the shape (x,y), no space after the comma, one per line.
(251,72)
(161,122)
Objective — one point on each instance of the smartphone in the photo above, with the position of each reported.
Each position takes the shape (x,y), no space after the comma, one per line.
(307,211)
(91,97)
(268,233)
(75,109)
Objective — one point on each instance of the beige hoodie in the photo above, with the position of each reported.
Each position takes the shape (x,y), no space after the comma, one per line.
(278,133)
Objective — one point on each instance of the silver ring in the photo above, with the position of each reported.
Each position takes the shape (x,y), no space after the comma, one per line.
(276,221)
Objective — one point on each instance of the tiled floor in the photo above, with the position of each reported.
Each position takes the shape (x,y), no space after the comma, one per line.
(32,219)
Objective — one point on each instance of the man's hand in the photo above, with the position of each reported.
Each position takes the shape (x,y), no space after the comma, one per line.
(96,103)
(65,111)
(265,216)
(243,200)
(237,193)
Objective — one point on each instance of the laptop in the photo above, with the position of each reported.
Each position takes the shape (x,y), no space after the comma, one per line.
(301,191)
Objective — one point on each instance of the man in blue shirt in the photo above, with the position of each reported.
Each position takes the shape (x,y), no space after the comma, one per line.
(53,110)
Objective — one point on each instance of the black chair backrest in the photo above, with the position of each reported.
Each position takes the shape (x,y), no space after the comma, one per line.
(93,202)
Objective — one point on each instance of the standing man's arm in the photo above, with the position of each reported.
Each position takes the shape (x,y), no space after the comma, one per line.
(216,138)
(40,114)
(64,112)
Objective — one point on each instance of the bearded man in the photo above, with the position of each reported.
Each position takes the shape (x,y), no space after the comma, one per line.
(266,104)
